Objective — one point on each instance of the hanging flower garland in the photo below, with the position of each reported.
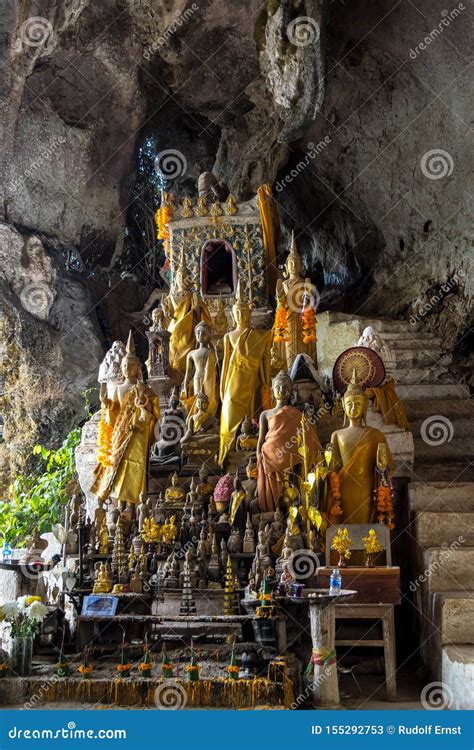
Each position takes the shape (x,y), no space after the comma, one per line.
(308,319)
(335,487)
(281,329)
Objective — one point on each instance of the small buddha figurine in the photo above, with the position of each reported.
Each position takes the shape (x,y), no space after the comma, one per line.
(354,458)
(136,584)
(248,545)
(250,484)
(247,440)
(103,583)
(110,370)
(175,493)
(201,371)
(104,538)
(286,553)
(277,528)
(245,373)
(251,589)
(281,431)
(142,511)
(237,504)
(204,488)
(235,540)
(132,559)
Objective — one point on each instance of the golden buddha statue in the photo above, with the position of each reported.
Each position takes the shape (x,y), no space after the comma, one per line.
(278,444)
(103,538)
(247,439)
(131,415)
(294,294)
(245,373)
(188,309)
(174,493)
(103,582)
(354,458)
(201,371)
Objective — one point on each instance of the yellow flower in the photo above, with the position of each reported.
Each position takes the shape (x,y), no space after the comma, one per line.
(31,599)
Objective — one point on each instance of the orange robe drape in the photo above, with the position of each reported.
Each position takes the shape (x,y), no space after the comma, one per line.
(280,452)
(388,404)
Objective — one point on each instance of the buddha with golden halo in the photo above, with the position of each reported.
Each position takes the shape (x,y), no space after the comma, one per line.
(245,373)
(354,457)
(131,413)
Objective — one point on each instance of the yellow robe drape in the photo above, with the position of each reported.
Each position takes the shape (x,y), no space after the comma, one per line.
(357,476)
(388,404)
(188,313)
(244,369)
(132,436)
(271,233)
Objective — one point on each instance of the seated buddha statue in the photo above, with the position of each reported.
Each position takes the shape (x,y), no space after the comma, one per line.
(201,439)
(247,439)
(354,458)
(204,488)
(131,415)
(174,493)
(245,373)
(279,438)
(201,371)
(167,450)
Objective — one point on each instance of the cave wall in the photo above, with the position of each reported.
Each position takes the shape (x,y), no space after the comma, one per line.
(325,89)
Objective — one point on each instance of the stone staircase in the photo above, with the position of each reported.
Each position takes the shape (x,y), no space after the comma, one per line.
(441,493)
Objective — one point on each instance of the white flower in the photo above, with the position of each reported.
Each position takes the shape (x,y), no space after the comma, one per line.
(22,605)
(10,610)
(37,611)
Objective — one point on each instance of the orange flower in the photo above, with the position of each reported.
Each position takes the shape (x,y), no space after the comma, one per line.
(85,668)
(280,332)
(145,667)
(124,667)
(309,325)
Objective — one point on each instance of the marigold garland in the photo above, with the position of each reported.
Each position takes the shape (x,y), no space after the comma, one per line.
(308,325)
(162,217)
(281,329)
(384,505)
(335,487)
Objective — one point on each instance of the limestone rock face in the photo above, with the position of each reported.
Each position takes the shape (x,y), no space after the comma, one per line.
(326,93)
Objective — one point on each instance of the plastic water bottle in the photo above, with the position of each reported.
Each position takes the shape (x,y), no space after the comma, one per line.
(335,582)
(6,552)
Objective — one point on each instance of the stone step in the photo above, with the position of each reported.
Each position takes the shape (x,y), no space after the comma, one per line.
(417,375)
(429,391)
(452,472)
(456,450)
(435,529)
(420,357)
(458,427)
(406,343)
(457,675)
(451,408)
(449,497)
(382,325)
(448,569)
(453,615)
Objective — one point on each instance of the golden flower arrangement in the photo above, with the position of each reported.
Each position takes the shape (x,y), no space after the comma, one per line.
(371,547)
(104,438)
(342,544)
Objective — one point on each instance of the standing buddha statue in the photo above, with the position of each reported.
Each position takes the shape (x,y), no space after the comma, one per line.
(355,450)
(188,310)
(132,413)
(201,371)
(278,444)
(245,373)
(295,331)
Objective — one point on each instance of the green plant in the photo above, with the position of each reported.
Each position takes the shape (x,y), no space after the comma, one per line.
(37,499)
